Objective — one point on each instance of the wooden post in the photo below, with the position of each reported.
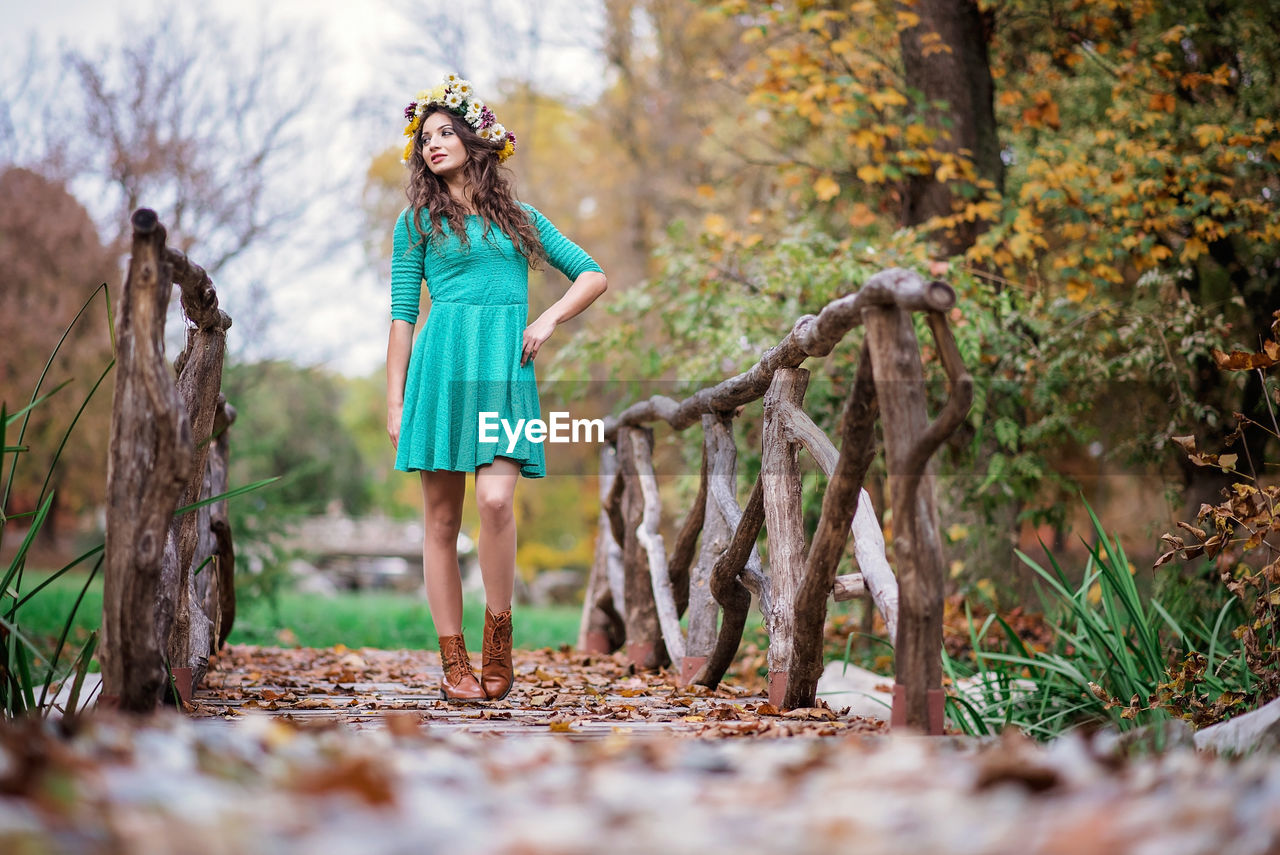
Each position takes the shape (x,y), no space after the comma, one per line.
(736,574)
(199,381)
(784,524)
(899,379)
(601,629)
(147,467)
(857,447)
(868,539)
(220,600)
(655,550)
(644,635)
(719,463)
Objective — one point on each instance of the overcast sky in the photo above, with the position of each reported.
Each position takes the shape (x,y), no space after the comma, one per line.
(334,313)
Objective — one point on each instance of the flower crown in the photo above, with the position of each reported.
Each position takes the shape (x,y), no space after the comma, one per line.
(457,96)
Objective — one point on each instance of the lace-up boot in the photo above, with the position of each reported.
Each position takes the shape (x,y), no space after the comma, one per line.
(459,682)
(496,671)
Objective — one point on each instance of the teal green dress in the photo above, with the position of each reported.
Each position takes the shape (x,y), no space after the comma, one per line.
(467,358)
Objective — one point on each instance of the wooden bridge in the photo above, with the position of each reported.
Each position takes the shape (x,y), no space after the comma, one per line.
(163,617)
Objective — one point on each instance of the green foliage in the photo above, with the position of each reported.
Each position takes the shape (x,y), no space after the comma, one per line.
(27,673)
(1112,660)
(1051,375)
(288,424)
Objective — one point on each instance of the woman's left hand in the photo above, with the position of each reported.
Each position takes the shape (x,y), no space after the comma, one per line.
(534,336)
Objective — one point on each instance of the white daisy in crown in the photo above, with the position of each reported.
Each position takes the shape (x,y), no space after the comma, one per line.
(455,95)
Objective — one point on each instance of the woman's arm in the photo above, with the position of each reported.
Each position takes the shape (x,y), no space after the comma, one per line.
(399,345)
(584,291)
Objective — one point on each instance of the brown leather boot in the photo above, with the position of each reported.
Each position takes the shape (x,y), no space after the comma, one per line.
(459,682)
(496,672)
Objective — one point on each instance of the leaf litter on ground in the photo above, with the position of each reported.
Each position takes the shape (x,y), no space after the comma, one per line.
(588,770)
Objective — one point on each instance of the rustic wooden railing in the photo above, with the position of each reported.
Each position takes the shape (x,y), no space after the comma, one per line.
(168,597)
(636,595)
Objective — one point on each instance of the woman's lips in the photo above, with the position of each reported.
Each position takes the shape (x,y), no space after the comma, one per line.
(435,158)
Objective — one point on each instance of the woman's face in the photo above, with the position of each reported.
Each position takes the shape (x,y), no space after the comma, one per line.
(442,149)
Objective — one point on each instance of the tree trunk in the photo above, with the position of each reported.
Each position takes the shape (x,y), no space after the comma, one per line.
(954,69)
(147,467)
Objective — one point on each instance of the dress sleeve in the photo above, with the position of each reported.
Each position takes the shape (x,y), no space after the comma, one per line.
(406,269)
(564,255)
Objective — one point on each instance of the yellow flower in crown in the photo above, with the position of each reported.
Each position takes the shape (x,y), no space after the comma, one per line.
(457,96)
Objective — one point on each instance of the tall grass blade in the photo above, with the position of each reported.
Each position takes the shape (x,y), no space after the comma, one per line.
(230,494)
(81,669)
(57,455)
(66,630)
(57,574)
(20,557)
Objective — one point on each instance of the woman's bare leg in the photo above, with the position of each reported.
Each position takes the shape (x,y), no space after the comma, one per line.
(495,500)
(442,494)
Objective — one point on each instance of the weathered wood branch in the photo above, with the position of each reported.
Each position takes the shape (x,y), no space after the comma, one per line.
(812,335)
(899,380)
(868,538)
(613,505)
(750,573)
(645,645)
(199,299)
(199,369)
(655,549)
(809,607)
(719,462)
(959,399)
(147,466)
(601,629)
(686,548)
(728,579)
(783,520)
(848,587)
(222,605)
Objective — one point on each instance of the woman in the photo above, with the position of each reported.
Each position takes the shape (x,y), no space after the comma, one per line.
(472,243)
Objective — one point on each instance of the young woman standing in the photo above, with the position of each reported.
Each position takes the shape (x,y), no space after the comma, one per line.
(467,238)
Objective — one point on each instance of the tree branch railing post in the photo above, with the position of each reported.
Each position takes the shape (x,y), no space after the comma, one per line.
(792,595)
(163,616)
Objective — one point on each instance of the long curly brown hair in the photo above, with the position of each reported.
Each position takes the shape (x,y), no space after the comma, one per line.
(491,193)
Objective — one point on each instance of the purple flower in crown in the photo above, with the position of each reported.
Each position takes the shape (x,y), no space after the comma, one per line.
(408,111)
(487,118)
(511,135)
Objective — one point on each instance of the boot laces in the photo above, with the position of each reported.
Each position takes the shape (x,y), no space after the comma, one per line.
(455,661)
(496,641)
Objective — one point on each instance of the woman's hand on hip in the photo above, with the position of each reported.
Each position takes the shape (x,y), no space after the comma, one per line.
(394,412)
(534,336)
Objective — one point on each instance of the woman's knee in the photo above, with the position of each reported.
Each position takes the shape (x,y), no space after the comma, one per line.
(442,527)
(494,506)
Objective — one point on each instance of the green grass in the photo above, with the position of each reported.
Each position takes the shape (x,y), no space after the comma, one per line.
(389,620)
(367,619)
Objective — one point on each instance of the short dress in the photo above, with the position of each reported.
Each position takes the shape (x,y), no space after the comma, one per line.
(466,361)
